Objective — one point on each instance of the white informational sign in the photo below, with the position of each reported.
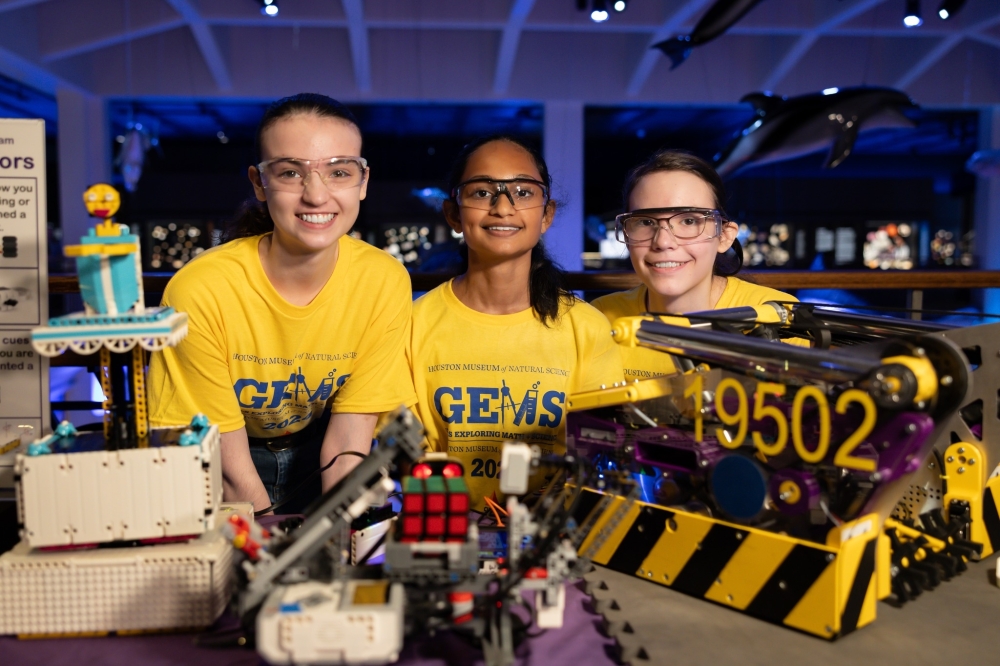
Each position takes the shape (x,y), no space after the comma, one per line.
(24,288)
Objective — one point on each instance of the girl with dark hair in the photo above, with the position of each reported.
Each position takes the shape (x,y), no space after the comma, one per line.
(683,248)
(297,332)
(496,351)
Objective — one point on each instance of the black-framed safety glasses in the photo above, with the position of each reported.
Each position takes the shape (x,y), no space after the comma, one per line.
(483,193)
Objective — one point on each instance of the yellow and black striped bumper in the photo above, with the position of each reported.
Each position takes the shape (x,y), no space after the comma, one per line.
(828,590)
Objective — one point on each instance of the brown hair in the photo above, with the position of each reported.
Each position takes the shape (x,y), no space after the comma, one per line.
(252,218)
(728,263)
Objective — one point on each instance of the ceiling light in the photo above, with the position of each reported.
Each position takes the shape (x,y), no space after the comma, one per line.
(620,5)
(949,8)
(600,12)
(831,91)
(269,7)
(911,19)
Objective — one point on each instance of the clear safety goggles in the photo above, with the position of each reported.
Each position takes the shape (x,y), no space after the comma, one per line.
(289,174)
(685,224)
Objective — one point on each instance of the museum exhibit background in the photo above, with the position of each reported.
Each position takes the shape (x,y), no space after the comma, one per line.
(859,145)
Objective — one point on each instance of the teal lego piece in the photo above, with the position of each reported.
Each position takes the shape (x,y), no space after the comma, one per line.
(44,446)
(151,315)
(124,282)
(65,429)
(189,438)
(194,434)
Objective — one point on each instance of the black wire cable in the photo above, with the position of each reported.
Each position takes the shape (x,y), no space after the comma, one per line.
(288,497)
(887,308)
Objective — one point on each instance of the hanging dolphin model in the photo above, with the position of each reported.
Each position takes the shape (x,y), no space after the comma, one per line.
(787,128)
(985,163)
(720,17)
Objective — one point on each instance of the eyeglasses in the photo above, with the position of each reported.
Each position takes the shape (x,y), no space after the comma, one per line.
(483,193)
(289,174)
(640,226)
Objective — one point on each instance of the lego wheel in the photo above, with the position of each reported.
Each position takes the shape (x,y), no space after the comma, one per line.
(153,344)
(85,346)
(120,345)
(51,349)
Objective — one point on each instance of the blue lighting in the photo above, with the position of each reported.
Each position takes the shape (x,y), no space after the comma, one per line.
(831,91)
(270,8)
(599,16)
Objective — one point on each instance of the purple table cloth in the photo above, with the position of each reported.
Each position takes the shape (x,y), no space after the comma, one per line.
(578,642)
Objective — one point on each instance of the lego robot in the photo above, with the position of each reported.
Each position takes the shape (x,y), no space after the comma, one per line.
(155,493)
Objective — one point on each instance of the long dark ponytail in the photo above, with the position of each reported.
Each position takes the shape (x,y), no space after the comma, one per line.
(547,286)
(252,218)
(728,263)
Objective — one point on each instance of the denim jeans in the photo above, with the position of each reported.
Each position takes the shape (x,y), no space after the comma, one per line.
(282,472)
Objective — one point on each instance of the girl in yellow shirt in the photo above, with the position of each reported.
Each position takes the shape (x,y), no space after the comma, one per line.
(288,351)
(496,351)
(683,248)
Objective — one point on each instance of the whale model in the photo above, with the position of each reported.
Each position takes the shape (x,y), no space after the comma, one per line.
(720,17)
(985,163)
(787,128)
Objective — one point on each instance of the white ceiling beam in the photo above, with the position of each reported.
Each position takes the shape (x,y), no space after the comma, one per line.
(112,40)
(358,34)
(209,48)
(665,31)
(509,44)
(986,39)
(941,50)
(18,4)
(806,41)
(929,60)
(32,74)
(589,27)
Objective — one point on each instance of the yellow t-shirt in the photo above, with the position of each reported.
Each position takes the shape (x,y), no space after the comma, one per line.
(645,363)
(482,379)
(251,358)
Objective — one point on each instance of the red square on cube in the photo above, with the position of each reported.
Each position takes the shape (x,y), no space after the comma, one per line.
(413,503)
(458,525)
(413,526)
(435,526)
(435,503)
(458,503)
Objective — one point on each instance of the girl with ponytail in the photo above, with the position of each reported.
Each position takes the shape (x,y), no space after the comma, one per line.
(683,247)
(297,332)
(495,352)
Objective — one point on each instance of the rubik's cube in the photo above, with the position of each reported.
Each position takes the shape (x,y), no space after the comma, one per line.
(435,508)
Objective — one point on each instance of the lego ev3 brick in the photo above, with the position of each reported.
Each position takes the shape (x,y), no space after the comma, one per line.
(167,586)
(97,496)
(340,622)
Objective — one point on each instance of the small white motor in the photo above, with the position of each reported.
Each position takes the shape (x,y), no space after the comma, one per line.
(515,468)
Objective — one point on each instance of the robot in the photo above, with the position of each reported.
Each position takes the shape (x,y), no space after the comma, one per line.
(760,460)
(153,493)
(305,600)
